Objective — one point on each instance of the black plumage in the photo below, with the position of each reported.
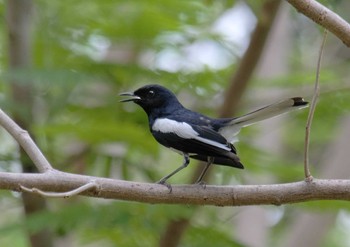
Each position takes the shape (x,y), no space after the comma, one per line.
(195,135)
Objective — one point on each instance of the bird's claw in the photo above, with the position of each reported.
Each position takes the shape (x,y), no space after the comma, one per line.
(162,182)
(202,184)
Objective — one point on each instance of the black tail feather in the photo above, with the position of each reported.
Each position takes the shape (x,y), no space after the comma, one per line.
(220,161)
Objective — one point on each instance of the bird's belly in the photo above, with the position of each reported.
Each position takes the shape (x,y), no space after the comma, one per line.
(181,152)
(173,142)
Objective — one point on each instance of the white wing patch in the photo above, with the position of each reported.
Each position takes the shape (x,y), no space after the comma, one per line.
(213,143)
(183,130)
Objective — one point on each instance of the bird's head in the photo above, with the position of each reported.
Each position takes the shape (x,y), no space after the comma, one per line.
(152,97)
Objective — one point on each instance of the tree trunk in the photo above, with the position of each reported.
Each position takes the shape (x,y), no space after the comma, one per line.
(19,15)
(234,93)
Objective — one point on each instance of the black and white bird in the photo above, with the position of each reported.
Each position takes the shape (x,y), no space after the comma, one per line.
(195,135)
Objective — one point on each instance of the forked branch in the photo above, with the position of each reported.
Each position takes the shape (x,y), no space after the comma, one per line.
(26,142)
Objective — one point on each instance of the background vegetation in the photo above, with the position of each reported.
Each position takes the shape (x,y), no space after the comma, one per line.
(83,53)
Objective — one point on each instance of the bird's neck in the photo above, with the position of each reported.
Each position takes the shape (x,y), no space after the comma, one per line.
(164,111)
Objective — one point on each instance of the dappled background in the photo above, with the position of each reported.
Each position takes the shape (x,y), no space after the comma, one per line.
(63,64)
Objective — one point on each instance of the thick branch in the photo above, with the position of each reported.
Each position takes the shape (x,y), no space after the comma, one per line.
(238,195)
(324,17)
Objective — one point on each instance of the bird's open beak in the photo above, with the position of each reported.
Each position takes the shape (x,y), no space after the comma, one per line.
(132,97)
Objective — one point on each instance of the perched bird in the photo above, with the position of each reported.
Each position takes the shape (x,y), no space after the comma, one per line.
(195,135)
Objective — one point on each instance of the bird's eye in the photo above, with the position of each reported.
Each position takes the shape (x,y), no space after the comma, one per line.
(150,93)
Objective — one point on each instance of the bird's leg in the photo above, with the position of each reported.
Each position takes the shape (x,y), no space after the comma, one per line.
(210,161)
(184,165)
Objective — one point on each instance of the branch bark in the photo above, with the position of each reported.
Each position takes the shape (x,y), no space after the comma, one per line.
(237,195)
(324,17)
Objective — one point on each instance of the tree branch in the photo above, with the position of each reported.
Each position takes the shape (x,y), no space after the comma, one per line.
(324,17)
(74,192)
(60,184)
(310,117)
(237,195)
(26,142)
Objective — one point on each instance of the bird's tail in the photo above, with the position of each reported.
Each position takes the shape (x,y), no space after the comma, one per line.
(232,127)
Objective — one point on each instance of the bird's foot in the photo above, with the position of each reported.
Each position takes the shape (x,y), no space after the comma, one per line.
(202,184)
(162,182)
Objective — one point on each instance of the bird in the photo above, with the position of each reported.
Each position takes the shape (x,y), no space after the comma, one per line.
(197,136)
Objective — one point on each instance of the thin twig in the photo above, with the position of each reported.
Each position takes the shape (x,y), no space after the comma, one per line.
(26,142)
(308,176)
(77,191)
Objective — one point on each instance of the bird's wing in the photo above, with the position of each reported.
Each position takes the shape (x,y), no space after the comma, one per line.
(231,128)
(211,137)
(191,137)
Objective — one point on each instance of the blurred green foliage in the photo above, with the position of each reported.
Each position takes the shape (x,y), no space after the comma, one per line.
(85,52)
